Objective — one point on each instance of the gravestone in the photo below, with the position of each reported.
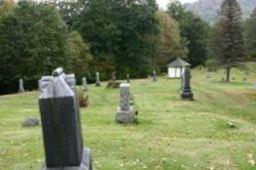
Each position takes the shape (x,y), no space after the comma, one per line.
(97,84)
(31,122)
(186,92)
(113,76)
(181,82)
(60,118)
(125,112)
(154,76)
(208,76)
(84,82)
(128,78)
(21,86)
(254,86)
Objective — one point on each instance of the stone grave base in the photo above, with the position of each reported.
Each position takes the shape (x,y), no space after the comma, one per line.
(187,96)
(85,165)
(125,116)
(97,84)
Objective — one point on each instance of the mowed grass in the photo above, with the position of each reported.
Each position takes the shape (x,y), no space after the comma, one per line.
(170,133)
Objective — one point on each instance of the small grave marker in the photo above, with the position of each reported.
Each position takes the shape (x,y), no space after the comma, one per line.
(21,86)
(97,84)
(125,112)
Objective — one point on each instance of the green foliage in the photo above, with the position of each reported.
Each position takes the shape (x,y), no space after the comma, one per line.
(79,55)
(118,33)
(194,32)
(228,39)
(70,11)
(33,41)
(250,35)
(168,41)
(6,6)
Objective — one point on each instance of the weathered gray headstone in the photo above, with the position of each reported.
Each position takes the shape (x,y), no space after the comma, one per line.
(113,76)
(21,86)
(254,86)
(154,76)
(128,78)
(60,117)
(125,112)
(30,122)
(208,76)
(186,92)
(97,84)
(84,82)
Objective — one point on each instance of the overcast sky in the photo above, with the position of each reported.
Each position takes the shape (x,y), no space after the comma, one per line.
(163,3)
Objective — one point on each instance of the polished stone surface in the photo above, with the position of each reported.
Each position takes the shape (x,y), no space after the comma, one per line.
(86,163)
(60,117)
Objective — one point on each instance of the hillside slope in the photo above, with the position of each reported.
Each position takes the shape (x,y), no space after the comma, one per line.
(171,134)
(208,9)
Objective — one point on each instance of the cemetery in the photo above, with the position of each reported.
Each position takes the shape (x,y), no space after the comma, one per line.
(215,131)
(128,85)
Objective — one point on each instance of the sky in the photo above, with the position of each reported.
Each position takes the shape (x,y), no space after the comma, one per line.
(163,3)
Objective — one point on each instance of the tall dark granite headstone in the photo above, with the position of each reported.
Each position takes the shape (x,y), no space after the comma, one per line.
(186,92)
(181,82)
(60,117)
(21,86)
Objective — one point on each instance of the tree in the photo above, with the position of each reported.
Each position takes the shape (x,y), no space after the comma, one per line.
(229,42)
(194,33)
(250,35)
(79,54)
(6,6)
(33,41)
(70,11)
(168,41)
(118,32)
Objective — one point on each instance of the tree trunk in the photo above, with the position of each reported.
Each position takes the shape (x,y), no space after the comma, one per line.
(228,69)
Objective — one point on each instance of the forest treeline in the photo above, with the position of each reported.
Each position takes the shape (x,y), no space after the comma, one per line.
(131,36)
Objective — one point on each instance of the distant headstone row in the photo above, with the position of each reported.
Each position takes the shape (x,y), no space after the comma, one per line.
(60,117)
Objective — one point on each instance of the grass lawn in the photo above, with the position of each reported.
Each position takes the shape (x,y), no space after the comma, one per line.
(171,134)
